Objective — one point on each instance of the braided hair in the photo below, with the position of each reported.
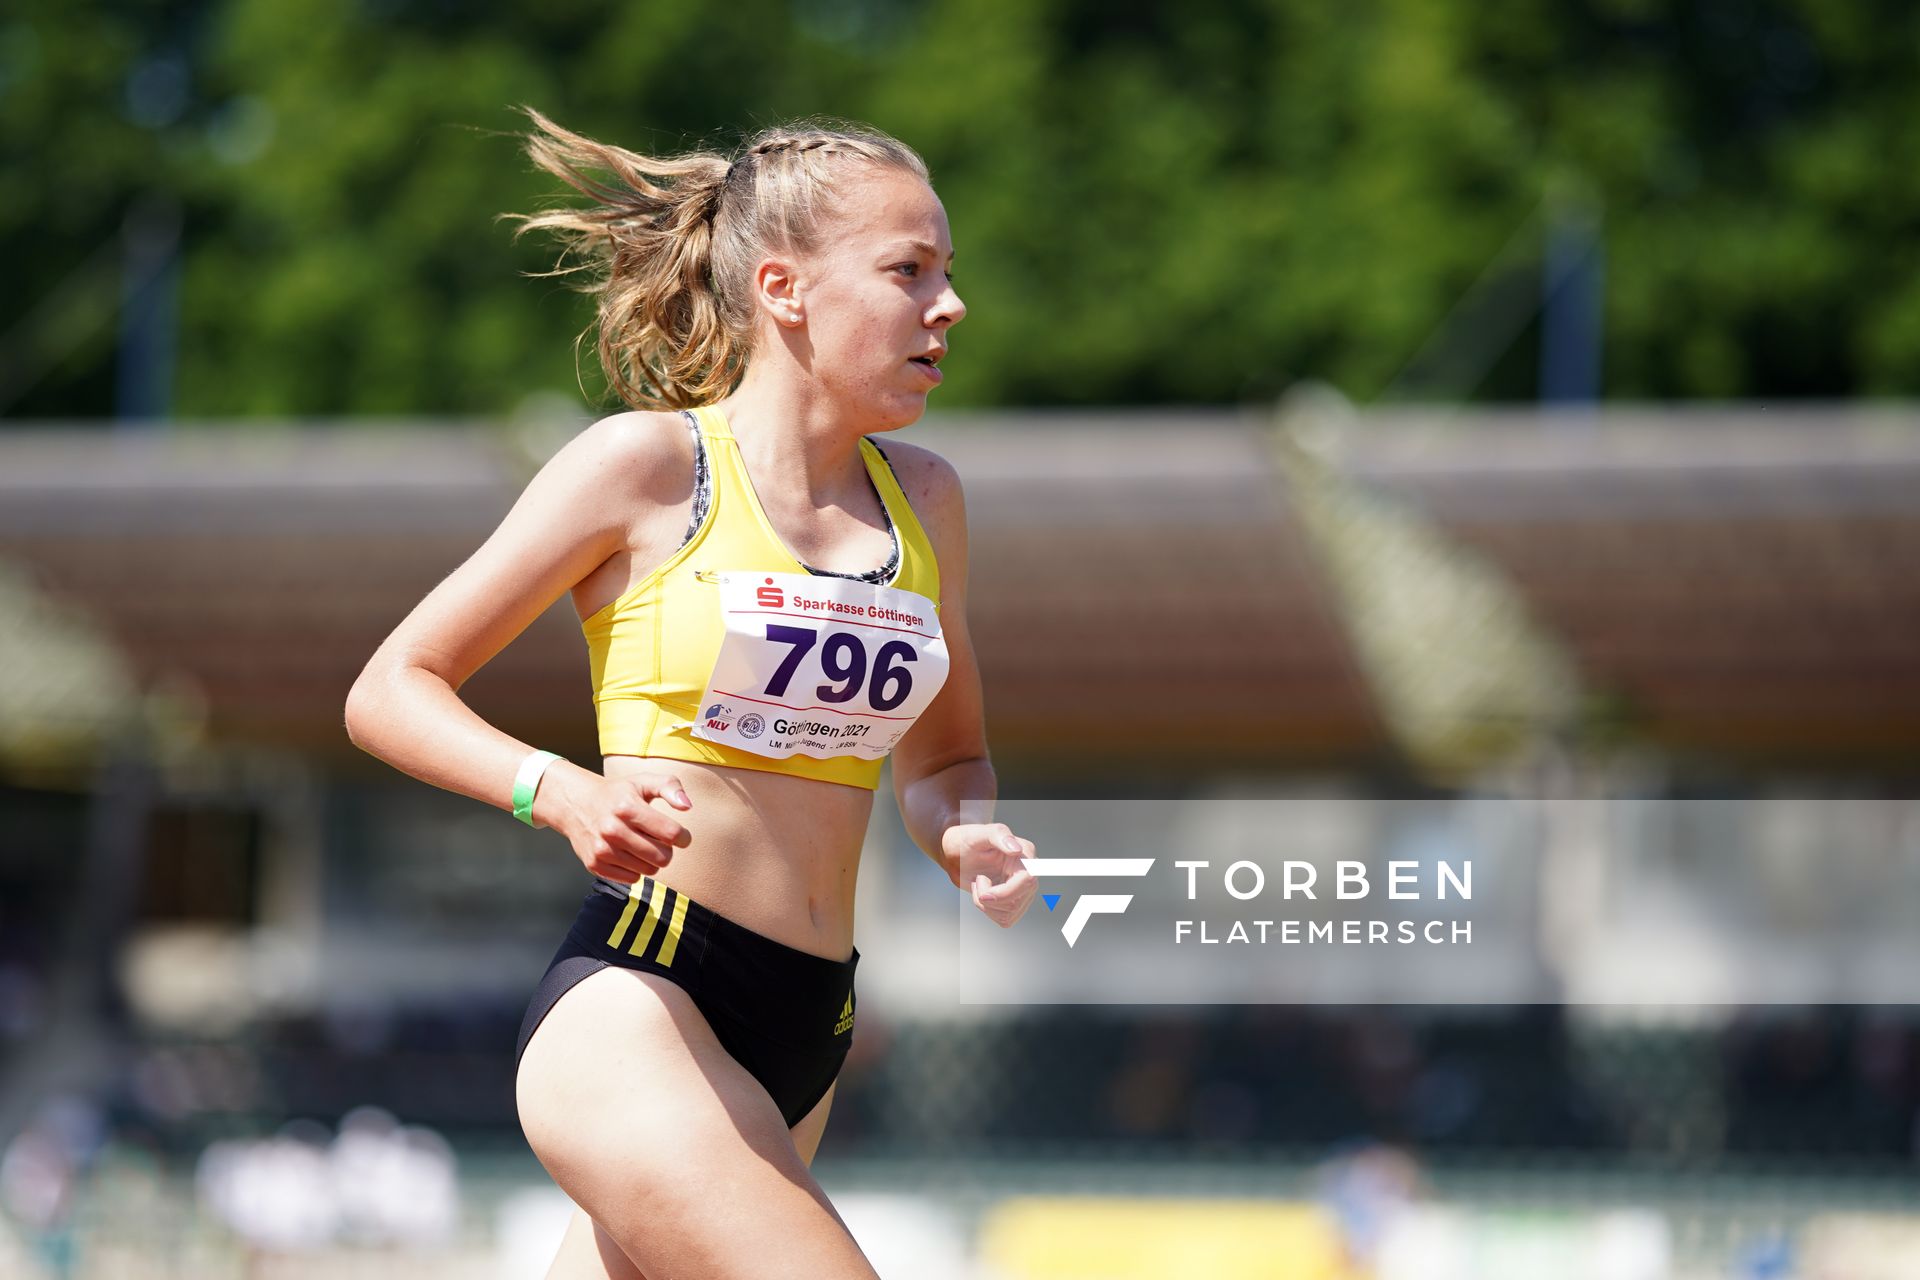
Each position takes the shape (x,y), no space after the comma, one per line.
(668,244)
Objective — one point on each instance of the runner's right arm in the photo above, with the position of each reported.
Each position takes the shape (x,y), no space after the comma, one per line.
(405,707)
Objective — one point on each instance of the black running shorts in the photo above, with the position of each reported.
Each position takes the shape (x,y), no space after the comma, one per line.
(784,1014)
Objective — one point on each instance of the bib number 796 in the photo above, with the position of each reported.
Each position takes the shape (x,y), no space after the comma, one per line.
(844,660)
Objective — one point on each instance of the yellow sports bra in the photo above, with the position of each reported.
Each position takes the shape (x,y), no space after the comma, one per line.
(725,612)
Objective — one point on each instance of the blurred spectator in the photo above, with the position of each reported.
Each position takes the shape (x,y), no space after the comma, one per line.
(395,1184)
(376,1183)
(43,1167)
(277,1194)
(1367,1189)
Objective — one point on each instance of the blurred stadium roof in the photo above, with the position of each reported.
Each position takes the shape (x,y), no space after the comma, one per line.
(1739,582)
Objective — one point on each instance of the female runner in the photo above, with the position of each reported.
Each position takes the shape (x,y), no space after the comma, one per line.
(772,605)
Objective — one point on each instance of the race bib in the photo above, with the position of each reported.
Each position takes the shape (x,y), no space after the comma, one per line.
(820,666)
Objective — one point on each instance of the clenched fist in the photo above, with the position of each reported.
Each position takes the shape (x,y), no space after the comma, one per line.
(985,859)
(615,830)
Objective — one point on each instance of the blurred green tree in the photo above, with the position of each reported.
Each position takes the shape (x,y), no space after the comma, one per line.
(1150,203)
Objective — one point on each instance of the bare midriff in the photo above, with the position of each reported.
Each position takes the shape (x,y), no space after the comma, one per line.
(775,853)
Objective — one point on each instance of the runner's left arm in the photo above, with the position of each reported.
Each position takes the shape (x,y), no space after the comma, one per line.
(942,776)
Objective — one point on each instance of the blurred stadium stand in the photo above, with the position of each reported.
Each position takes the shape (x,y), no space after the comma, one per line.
(1740,579)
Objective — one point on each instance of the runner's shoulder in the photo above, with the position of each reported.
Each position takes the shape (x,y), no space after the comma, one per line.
(638,452)
(929,480)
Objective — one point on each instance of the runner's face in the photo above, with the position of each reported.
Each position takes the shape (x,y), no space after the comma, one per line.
(879,294)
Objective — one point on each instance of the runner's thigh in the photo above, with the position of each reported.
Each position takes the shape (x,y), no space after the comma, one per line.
(588,1253)
(807,1134)
(668,1144)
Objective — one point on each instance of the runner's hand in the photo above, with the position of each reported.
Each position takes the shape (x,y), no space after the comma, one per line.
(615,830)
(988,856)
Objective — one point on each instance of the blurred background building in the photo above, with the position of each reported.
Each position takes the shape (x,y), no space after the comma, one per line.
(1420,403)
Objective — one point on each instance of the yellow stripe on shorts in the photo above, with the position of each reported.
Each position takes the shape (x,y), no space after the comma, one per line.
(654,906)
(634,895)
(672,943)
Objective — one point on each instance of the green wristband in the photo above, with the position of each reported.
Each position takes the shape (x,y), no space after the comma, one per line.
(527,781)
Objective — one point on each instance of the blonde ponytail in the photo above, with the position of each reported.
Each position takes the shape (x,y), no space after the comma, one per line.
(669,244)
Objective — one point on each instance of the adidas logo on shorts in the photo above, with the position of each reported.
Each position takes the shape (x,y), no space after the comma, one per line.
(846,1017)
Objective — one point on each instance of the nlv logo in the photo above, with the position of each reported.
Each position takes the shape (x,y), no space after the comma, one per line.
(1091,904)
